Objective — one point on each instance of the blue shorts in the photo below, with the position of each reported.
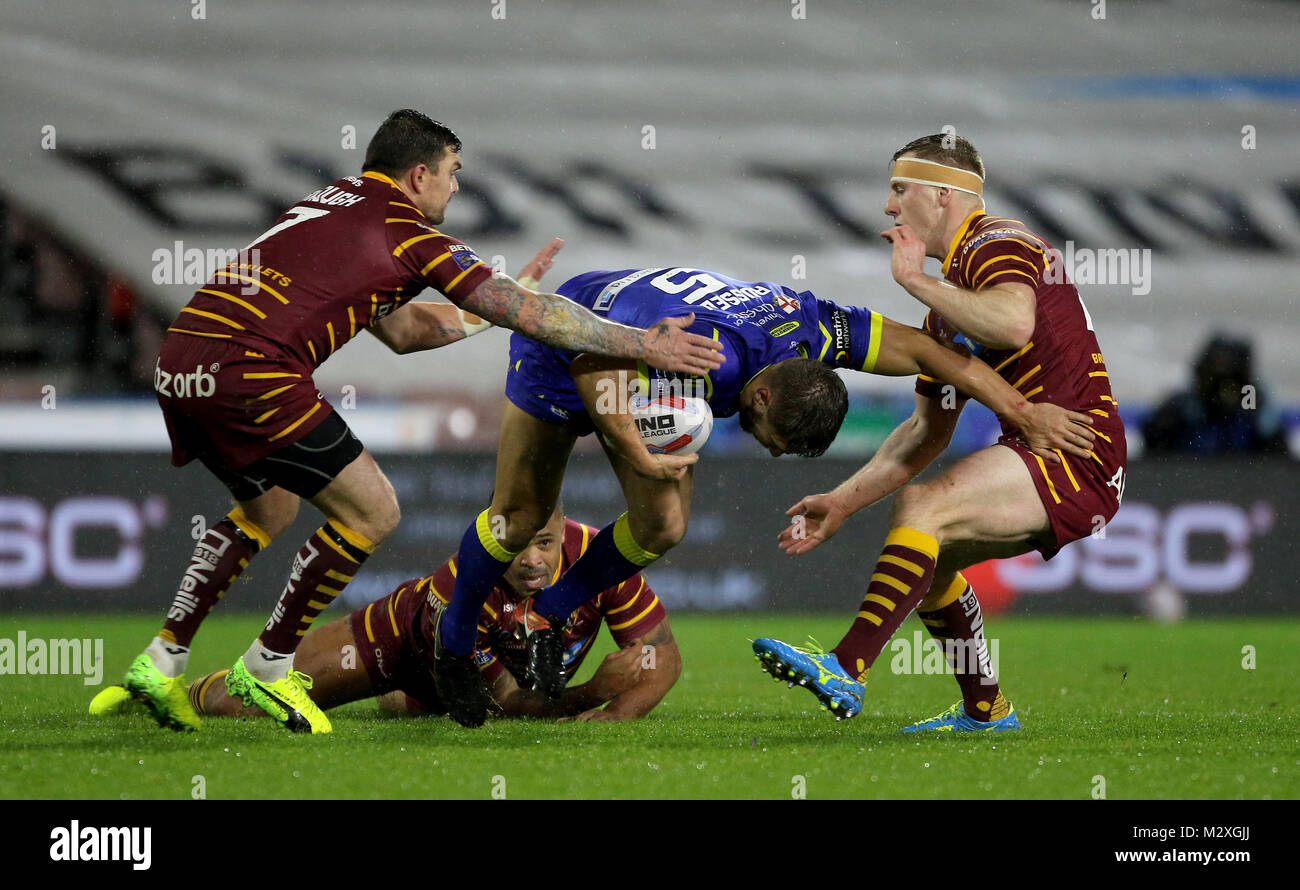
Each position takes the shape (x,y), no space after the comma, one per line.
(538,383)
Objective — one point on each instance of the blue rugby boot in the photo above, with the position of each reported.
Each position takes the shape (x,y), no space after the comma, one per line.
(816,670)
(955,719)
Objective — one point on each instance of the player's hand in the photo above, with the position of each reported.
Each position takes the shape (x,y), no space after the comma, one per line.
(1046,427)
(670,347)
(665,467)
(816,519)
(908,258)
(530,276)
(619,672)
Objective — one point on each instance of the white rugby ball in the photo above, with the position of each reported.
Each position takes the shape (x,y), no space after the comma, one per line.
(671,424)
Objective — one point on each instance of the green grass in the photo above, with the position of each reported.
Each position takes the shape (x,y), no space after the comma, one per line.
(1159,711)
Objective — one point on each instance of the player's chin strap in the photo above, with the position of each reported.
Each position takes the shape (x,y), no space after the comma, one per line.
(933,173)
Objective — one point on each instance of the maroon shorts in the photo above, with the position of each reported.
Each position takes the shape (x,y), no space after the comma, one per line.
(224,401)
(1080,496)
(392,648)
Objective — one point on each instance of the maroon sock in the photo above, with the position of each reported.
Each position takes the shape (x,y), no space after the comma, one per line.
(901,578)
(218,558)
(322,568)
(953,617)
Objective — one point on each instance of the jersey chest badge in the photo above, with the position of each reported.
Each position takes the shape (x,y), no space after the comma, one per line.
(789,305)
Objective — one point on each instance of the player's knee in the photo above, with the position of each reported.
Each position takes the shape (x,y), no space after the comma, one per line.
(273,514)
(520,525)
(383,521)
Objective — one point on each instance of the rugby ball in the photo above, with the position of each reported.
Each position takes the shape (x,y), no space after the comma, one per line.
(671,424)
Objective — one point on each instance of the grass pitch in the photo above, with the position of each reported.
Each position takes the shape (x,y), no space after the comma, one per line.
(1156,711)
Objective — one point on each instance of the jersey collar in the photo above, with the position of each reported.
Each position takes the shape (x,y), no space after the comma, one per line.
(372,174)
(956,239)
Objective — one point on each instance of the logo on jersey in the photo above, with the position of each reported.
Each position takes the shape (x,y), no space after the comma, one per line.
(841,332)
(197,384)
(788,304)
(464,256)
(782,330)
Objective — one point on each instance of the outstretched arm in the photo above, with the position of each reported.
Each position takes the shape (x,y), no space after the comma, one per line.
(560,322)
(419,326)
(908,450)
(1046,427)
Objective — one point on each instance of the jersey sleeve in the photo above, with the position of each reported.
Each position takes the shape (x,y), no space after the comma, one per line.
(850,336)
(440,583)
(1002,260)
(631,609)
(435,260)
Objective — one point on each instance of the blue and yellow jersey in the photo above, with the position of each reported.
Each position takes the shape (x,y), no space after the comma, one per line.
(758,323)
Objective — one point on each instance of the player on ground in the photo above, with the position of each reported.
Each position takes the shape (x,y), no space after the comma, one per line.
(784,348)
(393,637)
(234,379)
(1004,298)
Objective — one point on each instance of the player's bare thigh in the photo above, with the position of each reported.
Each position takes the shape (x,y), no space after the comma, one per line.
(986,497)
(531,460)
(329,655)
(658,511)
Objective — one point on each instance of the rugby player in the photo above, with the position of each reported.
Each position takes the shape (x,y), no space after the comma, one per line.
(234,380)
(384,649)
(1005,298)
(780,377)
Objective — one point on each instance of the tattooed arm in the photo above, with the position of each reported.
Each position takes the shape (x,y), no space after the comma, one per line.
(560,322)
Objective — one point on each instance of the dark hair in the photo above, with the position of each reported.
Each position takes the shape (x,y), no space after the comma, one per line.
(408,137)
(809,401)
(936,148)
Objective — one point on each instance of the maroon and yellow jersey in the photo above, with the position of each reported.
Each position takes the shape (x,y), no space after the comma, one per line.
(631,610)
(1062,363)
(339,260)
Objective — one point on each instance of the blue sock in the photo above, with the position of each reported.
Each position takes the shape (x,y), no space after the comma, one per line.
(480,564)
(612,558)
